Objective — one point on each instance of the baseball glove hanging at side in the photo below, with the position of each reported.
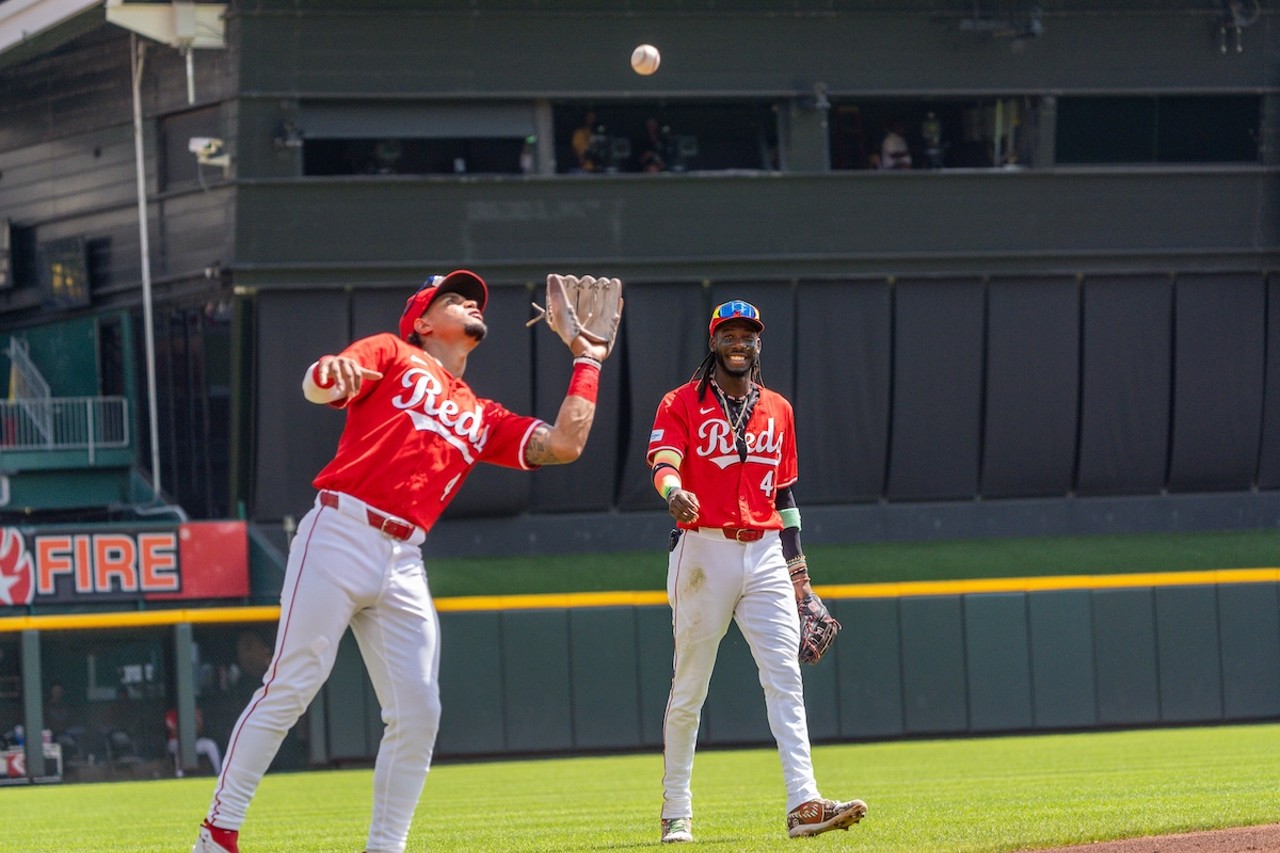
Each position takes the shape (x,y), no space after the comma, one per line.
(818,629)
(587,306)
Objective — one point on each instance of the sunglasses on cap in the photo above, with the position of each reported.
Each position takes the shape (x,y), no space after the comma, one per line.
(736,309)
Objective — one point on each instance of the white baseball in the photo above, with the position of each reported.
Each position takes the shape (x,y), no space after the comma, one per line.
(645,59)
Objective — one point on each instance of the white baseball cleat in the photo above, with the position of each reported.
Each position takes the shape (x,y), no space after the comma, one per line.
(677,830)
(818,816)
(215,839)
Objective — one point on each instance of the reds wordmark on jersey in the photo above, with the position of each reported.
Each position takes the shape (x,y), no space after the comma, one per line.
(700,433)
(436,432)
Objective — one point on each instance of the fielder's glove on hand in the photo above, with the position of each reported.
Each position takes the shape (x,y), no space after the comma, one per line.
(818,629)
(587,306)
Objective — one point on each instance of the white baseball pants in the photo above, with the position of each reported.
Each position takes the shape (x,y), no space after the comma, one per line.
(342,572)
(710,580)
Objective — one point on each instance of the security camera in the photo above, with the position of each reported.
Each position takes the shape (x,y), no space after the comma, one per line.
(205,146)
(209,151)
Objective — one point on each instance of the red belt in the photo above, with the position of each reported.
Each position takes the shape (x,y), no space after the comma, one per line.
(742,534)
(393,527)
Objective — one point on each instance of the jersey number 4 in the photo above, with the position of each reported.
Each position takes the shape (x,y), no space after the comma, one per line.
(766,485)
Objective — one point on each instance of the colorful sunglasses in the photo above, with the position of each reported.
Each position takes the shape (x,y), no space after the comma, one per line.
(736,308)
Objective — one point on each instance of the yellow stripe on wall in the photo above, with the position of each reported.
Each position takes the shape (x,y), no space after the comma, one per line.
(138,618)
(554,599)
(1042,583)
(473,603)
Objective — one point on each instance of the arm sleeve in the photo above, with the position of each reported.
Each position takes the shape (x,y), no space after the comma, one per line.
(790,535)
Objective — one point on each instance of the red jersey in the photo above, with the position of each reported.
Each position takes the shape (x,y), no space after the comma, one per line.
(412,436)
(731,492)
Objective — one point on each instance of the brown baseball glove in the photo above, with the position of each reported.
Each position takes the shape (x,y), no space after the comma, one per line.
(587,306)
(818,629)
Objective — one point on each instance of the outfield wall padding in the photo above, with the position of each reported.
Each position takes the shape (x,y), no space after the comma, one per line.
(913,659)
(1064,687)
(589,679)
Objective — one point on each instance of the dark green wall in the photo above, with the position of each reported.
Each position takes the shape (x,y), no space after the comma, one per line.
(581,49)
(588,679)
(332,232)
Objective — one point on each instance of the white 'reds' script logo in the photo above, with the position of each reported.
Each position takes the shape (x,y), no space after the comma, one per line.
(463,430)
(718,447)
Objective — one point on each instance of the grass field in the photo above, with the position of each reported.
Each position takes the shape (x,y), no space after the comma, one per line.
(979,794)
(877,562)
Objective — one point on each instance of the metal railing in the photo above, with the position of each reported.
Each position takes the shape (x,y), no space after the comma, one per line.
(64,423)
(25,381)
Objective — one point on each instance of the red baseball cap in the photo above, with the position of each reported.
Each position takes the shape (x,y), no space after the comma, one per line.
(465,282)
(735,310)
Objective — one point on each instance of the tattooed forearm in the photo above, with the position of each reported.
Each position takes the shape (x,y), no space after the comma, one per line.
(538,450)
(563,442)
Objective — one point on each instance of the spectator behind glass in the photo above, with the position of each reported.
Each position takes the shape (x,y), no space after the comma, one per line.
(253,654)
(58,719)
(581,142)
(654,148)
(894,151)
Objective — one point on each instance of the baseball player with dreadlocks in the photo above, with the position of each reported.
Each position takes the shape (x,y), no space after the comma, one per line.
(723,454)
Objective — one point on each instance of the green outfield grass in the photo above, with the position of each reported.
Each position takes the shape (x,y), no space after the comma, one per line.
(977,794)
(877,562)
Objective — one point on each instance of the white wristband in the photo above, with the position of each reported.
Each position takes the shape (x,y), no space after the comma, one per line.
(317,393)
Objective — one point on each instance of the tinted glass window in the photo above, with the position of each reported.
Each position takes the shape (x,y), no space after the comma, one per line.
(1170,129)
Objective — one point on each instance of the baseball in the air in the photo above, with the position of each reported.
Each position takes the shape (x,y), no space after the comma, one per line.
(645,59)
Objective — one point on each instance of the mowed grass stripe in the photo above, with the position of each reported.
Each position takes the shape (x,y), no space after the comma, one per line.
(974,794)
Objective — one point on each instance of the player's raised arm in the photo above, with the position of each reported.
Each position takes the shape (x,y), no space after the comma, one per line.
(564,441)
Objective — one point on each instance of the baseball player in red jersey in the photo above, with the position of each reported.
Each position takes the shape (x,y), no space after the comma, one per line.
(414,430)
(723,454)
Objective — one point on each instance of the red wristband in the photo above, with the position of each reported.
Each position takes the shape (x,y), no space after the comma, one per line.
(585,382)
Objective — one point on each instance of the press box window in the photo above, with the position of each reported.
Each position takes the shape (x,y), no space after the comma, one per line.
(433,138)
(395,156)
(951,133)
(608,138)
(1163,129)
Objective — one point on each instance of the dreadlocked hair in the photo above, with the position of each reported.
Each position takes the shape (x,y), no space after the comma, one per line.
(708,366)
(704,370)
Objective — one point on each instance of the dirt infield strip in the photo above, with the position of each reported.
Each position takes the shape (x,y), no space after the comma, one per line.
(1245,839)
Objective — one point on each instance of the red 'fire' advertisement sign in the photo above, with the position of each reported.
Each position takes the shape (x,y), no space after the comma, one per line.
(200,559)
